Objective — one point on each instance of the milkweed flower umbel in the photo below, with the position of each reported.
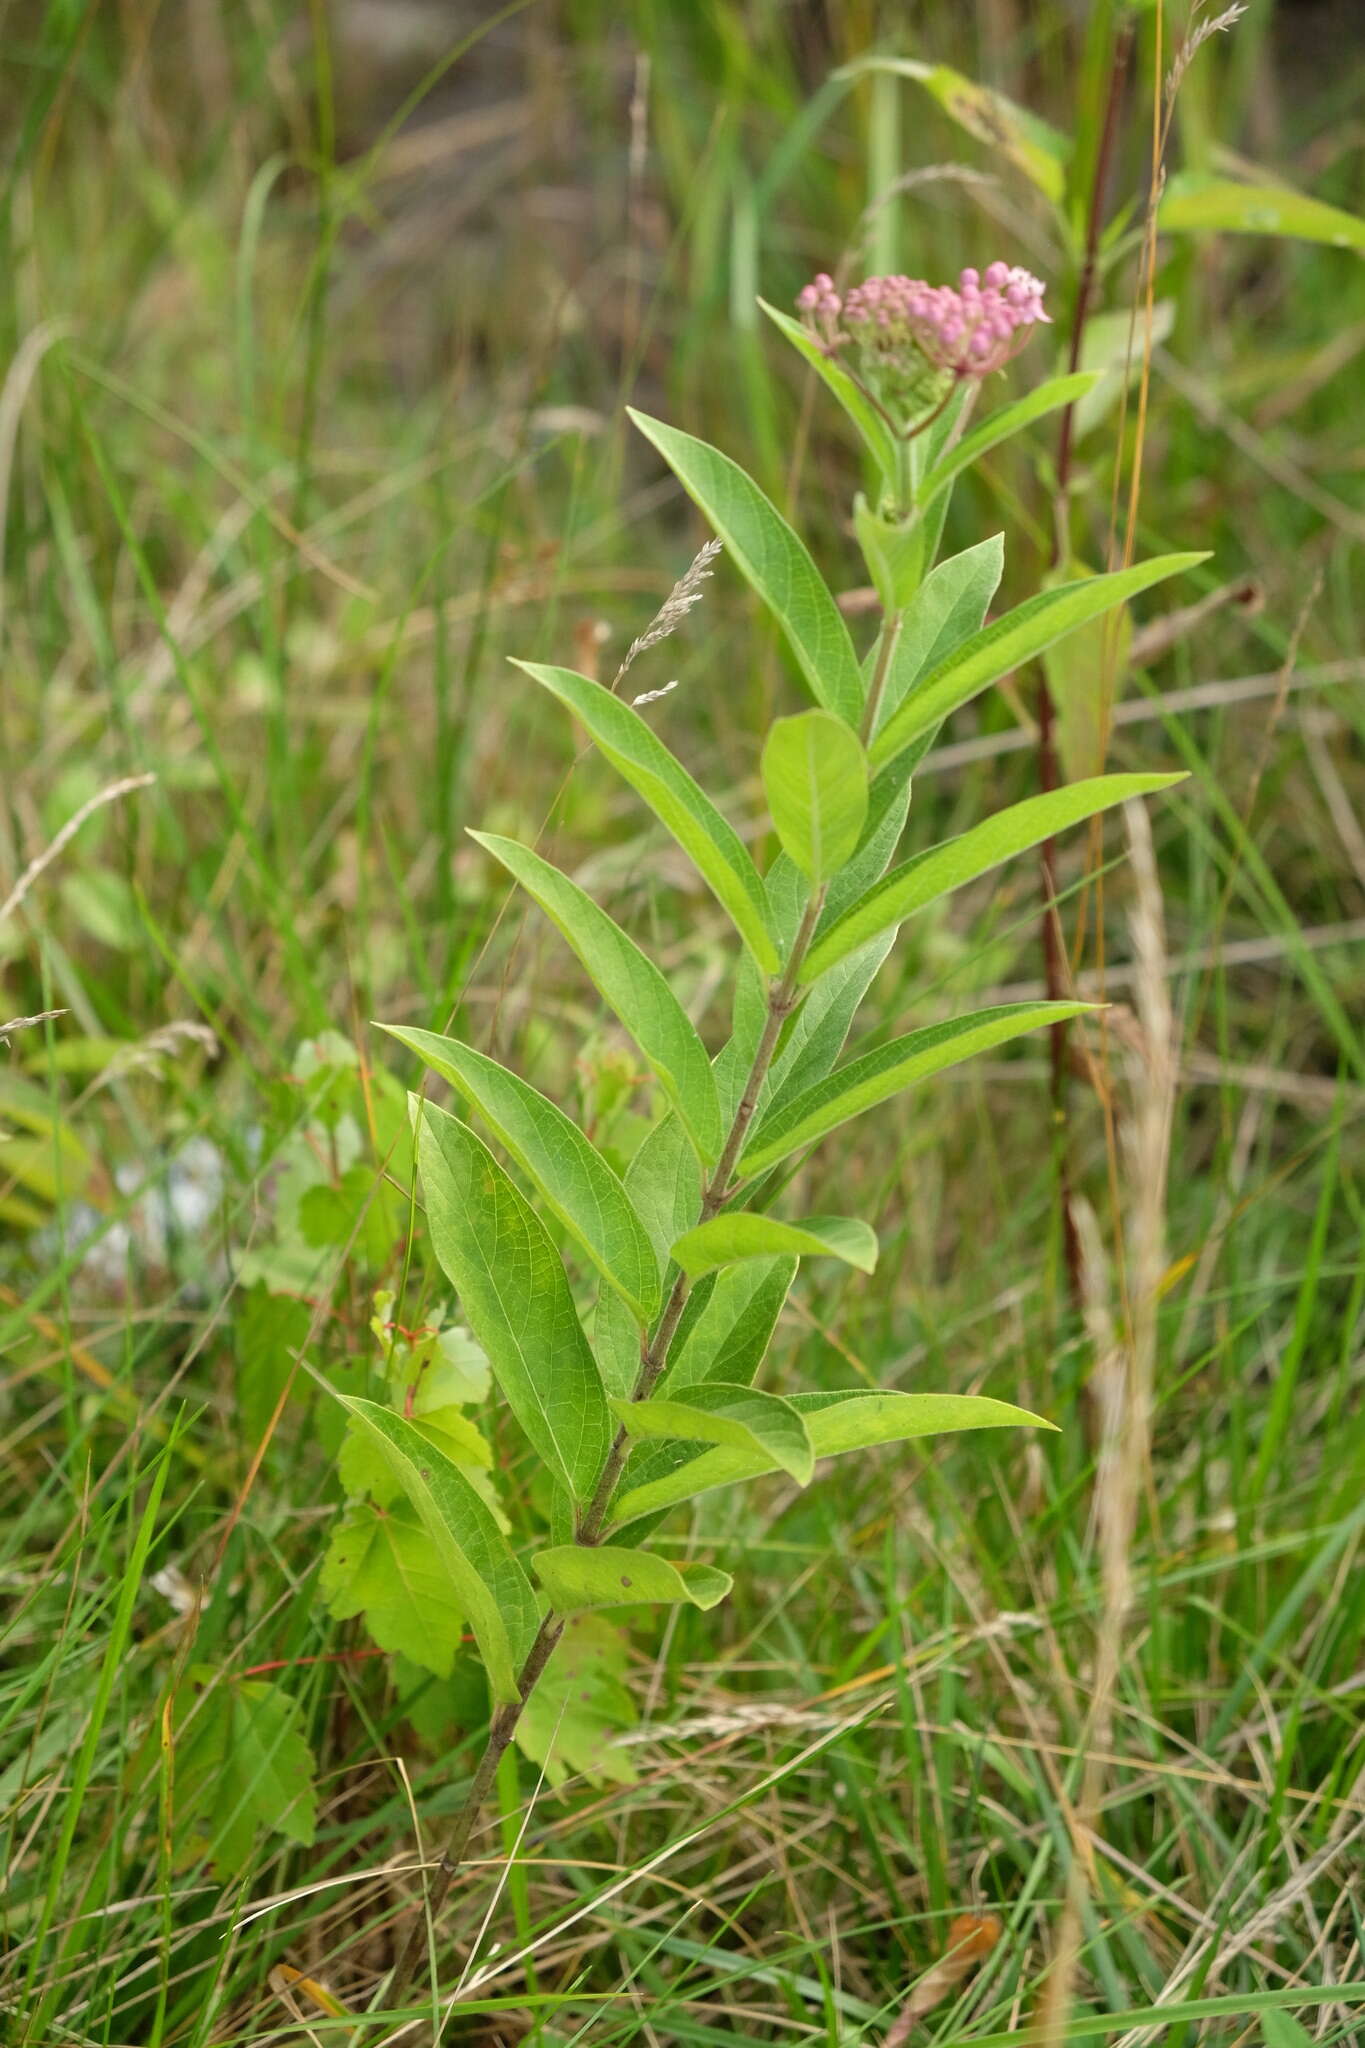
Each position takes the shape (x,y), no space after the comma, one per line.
(910,337)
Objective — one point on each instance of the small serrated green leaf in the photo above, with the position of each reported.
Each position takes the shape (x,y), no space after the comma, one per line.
(381,1562)
(577,1576)
(364,1470)
(428,1705)
(726,1239)
(633,987)
(580,1705)
(456,1372)
(357,1212)
(241,1764)
(270,1330)
(815,779)
(485,1579)
(773,560)
(711,843)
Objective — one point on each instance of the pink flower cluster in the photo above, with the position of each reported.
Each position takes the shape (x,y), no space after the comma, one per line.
(969,329)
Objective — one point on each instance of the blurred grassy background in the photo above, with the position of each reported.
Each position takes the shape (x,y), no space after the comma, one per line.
(319,324)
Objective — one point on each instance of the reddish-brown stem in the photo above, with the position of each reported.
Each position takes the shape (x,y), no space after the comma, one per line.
(1054,960)
(1085,286)
(326,1657)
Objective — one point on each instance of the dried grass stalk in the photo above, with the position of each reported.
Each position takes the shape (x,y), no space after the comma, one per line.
(686,592)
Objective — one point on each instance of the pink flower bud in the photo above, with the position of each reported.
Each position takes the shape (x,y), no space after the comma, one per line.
(905,328)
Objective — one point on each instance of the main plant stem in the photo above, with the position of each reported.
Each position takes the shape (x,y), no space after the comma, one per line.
(886,647)
(654,1355)
(501,1729)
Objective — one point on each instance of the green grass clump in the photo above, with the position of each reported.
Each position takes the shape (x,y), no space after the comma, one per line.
(314,415)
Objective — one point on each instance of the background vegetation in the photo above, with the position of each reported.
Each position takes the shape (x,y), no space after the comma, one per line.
(319,325)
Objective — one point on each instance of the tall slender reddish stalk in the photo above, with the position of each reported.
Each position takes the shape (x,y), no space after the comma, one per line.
(1054,962)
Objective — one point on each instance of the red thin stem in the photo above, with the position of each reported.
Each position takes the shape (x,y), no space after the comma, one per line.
(1054,961)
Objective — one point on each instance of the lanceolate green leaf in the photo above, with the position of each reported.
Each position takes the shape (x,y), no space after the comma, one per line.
(631,984)
(887,810)
(947,609)
(1005,421)
(776,563)
(576,1576)
(877,436)
(724,1343)
(742,1417)
(516,1298)
(836,1423)
(1038,150)
(570,1173)
(876,1076)
(663,1182)
(1194,204)
(943,868)
(486,1581)
(1017,637)
(664,1185)
(819,1028)
(727,1239)
(730,1336)
(815,779)
(636,751)
(855,1421)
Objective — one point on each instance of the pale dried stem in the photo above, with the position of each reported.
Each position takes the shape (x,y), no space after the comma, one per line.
(1199,34)
(18,382)
(686,592)
(66,835)
(1268,1919)
(1124,1376)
